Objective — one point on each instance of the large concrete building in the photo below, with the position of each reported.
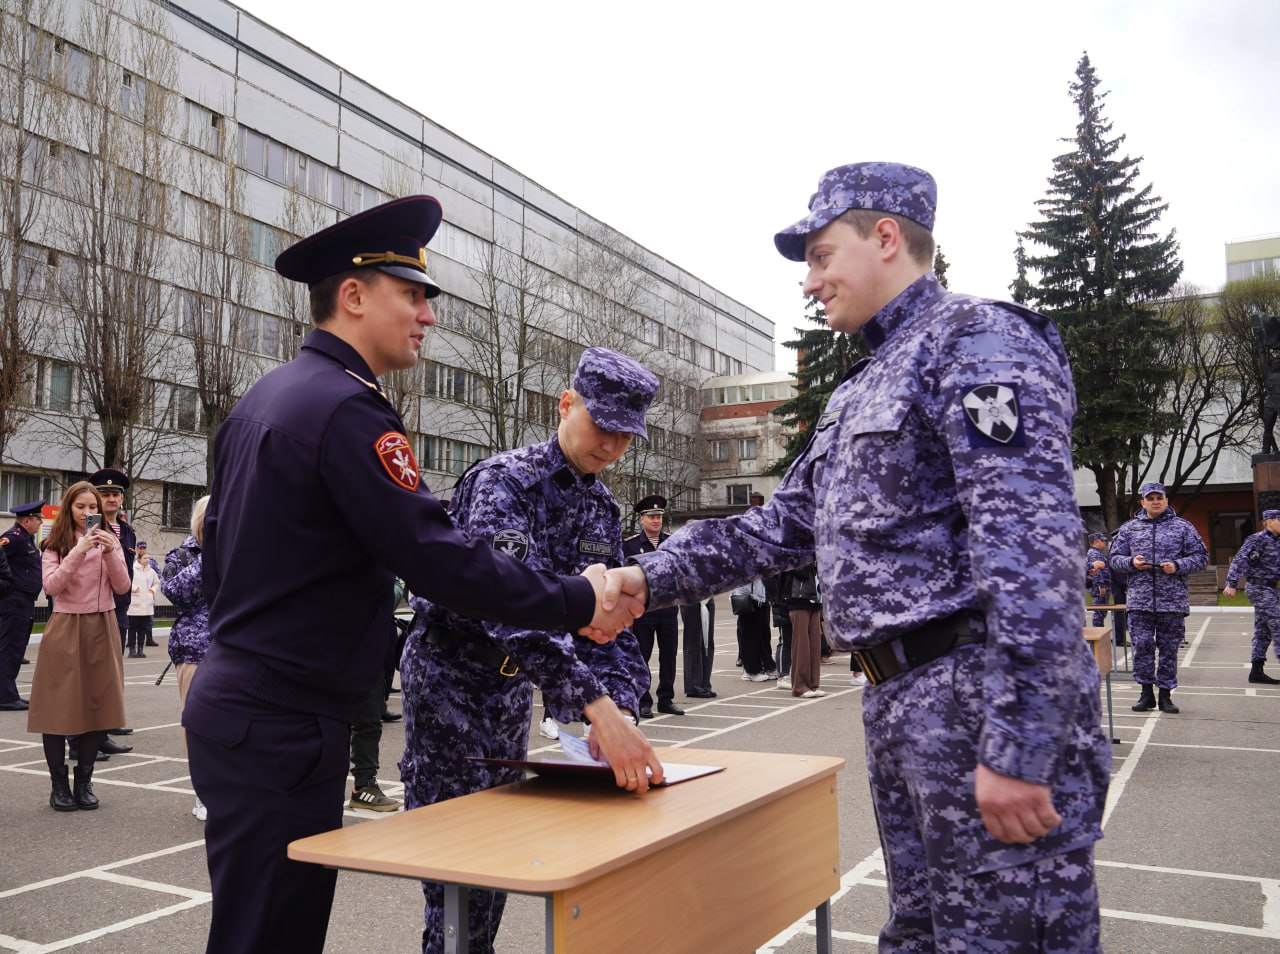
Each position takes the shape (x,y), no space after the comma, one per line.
(221,140)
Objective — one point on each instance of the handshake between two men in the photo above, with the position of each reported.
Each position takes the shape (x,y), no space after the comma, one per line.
(621,595)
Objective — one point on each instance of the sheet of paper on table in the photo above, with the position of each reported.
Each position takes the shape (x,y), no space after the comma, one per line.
(580,764)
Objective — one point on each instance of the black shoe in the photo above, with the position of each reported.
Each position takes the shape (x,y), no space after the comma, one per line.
(738,662)
(1166,702)
(670,708)
(18,705)
(701,694)
(123,730)
(389,716)
(152,642)
(1257,675)
(26,662)
(86,801)
(114,748)
(646,712)
(139,655)
(61,799)
(1147,701)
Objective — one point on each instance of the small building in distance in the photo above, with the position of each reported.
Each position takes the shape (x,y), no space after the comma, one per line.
(740,438)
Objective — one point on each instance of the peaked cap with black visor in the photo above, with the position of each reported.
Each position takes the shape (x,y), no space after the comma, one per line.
(391,238)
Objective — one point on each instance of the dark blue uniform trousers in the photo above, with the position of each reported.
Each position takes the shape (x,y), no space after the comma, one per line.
(16,612)
(268,776)
(664,627)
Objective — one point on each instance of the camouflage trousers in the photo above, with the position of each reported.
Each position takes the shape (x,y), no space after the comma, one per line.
(1153,633)
(1266,620)
(454,708)
(952,886)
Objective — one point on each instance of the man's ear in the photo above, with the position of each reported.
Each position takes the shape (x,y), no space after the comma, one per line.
(351,296)
(889,235)
(566,404)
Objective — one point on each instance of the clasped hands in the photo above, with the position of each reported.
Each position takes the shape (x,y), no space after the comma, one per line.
(620,598)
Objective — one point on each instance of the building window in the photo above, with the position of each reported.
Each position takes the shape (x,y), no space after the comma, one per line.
(51,383)
(18,489)
(179,502)
(204,128)
(450,456)
(747,448)
(720,450)
(739,495)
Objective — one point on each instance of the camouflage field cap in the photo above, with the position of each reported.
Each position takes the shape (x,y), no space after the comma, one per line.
(391,237)
(1095,537)
(617,390)
(1151,487)
(881,186)
(1271,515)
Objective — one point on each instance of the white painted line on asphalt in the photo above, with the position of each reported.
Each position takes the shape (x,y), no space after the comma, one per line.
(1216,926)
(1195,643)
(1218,748)
(114,928)
(1121,778)
(855,876)
(109,866)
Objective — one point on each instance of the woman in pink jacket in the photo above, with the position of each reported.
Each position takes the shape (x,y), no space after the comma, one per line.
(78,685)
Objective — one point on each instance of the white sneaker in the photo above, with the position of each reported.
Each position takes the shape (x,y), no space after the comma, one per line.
(198,809)
(784,682)
(812,694)
(761,677)
(548,728)
(858,679)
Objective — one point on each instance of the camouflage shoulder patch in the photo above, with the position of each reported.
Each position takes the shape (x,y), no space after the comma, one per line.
(397,459)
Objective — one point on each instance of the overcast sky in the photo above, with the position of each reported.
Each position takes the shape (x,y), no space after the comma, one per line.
(701,128)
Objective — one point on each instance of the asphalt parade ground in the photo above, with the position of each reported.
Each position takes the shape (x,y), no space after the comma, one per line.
(1190,861)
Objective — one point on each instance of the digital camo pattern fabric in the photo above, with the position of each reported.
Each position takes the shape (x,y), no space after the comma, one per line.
(939,480)
(949,874)
(532,504)
(1166,537)
(182,586)
(1258,562)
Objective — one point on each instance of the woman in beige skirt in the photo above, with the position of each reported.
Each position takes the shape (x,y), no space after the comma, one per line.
(78,685)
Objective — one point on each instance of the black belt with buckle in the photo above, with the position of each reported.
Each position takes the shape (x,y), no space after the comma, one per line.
(1270,583)
(450,641)
(921,645)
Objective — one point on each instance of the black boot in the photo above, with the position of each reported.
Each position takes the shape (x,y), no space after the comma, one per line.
(1257,675)
(85,799)
(1166,702)
(61,799)
(1147,701)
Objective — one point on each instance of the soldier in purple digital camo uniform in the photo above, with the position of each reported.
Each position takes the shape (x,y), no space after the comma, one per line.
(1258,560)
(1096,575)
(937,495)
(1157,548)
(468,687)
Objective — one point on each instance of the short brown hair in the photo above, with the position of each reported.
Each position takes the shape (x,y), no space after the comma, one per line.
(324,294)
(918,239)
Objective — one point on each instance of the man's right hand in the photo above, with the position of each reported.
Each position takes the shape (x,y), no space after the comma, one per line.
(623,583)
(613,614)
(616,740)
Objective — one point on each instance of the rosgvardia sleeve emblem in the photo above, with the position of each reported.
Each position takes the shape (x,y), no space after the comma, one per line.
(397,458)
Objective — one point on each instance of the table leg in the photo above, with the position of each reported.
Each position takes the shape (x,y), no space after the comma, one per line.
(1111,721)
(549,933)
(822,926)
(457,931)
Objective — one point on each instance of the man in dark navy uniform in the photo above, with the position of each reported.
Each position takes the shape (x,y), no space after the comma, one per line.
(17,609)
(660,625)
(298,576)
(111,484)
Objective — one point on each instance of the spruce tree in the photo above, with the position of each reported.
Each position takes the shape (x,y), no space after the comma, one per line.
(823,356)
(940,266)
(1103,266)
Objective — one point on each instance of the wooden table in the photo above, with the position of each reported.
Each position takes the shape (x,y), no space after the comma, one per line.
(720,863)
(1099,640)
(1117,610)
